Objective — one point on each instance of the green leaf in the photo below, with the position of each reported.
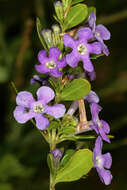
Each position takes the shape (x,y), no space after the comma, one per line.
(76,15)
(79,165)
(67,138)
(75,90)
(66,4)
(68,130)
(76,1)
(86,137)
(39,29)
(66,157)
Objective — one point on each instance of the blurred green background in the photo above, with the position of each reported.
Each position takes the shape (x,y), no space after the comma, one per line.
(22,149)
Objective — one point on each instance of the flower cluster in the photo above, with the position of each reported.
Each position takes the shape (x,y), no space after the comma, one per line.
(102,128)
(90,41)
(78,49)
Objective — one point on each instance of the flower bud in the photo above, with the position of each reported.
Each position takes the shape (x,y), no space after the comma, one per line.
(57,153)
(40,80)
(59,10)
(47,35)
(56,28)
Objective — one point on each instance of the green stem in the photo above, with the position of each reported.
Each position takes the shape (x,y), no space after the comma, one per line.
(51,183)
(52,140)
(52,143)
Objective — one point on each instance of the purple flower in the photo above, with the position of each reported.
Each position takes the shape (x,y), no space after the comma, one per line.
(40,80)
(100,126)
(50,64)
(92,97)
(102,161)
(56,153)
(92,75)
(28,108)
(100,32)
(81,49)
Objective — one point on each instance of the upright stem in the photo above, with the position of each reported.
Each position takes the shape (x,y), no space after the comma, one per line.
(51,185)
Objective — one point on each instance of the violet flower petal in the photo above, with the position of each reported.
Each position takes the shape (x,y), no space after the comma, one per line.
(41,122)
(24,98)
(56,73)
(92,20)
(96,48)
(54,53)
(92,97)
(21,116)
(95,109)
(107,160)
(72,60)
(45,94)
(41,55)
(57,111)
(103,135)
(42,68)
(106,127)
(103,31)
(68,41)
(98,146)
(92,75)
(62,63)
(94,128)
(105,49)
(105,176)
(87,64)
(85,33)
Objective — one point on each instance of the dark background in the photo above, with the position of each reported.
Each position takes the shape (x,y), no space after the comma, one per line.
(22,149)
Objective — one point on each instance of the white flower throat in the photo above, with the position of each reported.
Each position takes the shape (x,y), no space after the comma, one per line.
(82,49)
(99,122)
(97,34)
(99,161)
(51,65)
(38,108)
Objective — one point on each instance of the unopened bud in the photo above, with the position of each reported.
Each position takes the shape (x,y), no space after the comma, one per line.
(47,35)
(57,153)
(59,9)
(56,28)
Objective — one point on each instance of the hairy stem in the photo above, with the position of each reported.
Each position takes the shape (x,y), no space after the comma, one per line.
(83,124)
